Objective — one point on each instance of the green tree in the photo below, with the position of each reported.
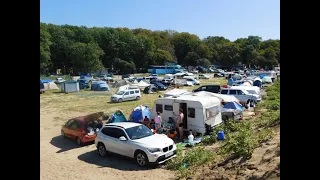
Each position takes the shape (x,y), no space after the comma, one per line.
(86,57)
(229,54)
(204,62)
(45,55)
(192,59)
(123,66)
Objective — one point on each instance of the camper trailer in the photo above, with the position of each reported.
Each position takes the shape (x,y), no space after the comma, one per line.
(199,112)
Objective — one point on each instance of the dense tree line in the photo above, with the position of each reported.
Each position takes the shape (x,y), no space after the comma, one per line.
(82,49)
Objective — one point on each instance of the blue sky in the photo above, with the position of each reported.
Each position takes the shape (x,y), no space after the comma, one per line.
(229,18)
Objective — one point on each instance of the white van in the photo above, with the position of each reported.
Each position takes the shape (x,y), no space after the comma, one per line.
(250,89)
(199,112)
(126,95)
(241,94)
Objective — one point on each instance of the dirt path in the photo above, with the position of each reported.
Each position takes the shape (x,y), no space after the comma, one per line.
(63,159)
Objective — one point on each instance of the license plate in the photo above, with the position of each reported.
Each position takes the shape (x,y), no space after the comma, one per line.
(169,154)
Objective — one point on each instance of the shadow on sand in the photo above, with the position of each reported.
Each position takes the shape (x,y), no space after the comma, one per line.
(64,144)
(113,161)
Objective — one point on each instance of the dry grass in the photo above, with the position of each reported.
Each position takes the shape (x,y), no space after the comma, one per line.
(90,101)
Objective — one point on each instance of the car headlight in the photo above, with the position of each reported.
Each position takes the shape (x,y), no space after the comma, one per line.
(153,150)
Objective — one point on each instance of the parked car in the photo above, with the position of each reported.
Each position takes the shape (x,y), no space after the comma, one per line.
(209,88)
(154,76)
(159,85)
(126,95)
(136,141)
(241,94)
(59,80)
(81,129)
(203,76)
(192,81)
(167,82)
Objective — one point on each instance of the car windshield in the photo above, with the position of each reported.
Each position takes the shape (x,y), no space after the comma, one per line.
(138,132)
(120,93)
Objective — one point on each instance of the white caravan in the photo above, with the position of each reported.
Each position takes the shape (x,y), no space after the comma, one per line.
(198,111)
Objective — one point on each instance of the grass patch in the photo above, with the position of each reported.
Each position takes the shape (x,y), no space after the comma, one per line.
(186,161)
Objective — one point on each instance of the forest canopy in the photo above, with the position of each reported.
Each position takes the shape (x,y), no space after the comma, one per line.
(82,49)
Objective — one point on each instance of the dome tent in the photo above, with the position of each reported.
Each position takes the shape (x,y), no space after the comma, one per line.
(139,113)
(117,117)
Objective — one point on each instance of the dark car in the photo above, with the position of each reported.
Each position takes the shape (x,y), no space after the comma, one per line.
(159,85)
(209,88)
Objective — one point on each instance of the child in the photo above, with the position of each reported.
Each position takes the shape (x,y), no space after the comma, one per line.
(157,121)
(190,138)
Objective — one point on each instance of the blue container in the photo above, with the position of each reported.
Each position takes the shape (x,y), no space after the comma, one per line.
(220,135)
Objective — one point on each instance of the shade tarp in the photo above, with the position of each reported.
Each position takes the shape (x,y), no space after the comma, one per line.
(233,105)
(175,92)
(221,97)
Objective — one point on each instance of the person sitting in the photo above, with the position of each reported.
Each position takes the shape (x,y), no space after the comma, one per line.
(190,138)
(152,124)
(146,121)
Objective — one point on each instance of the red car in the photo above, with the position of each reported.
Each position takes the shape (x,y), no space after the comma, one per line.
(82,129)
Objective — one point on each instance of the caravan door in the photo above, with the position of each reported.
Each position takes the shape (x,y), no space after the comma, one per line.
(175,110)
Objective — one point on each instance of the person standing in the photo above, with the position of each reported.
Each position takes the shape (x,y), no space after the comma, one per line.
(158,121)
(230,80)
(180,123)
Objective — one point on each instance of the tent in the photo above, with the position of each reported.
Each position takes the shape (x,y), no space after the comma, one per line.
(233,105)
(221,97)
(99,86)
(70,86)
(175,92)
(150,89)
(119,83)
(245,84)
(117,117)
(50,86)
(257,82)
(141,84)
(266,79)
(139,113)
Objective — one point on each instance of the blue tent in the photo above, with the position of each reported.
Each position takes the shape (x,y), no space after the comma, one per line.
(139,113)
(117,117)
(99,86)
(233,105)
(46,80)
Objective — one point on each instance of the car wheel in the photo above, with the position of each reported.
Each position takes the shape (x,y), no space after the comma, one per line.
(119,100)
(138,97)
(102,150)
(62,134)
(141,158)
(78,140)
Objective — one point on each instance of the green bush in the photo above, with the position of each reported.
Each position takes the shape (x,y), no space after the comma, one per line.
(241,143)
(193,157)
(265,135)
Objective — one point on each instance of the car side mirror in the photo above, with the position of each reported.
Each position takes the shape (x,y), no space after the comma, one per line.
(122,138)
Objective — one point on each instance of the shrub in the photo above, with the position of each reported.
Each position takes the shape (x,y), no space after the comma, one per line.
(241,143)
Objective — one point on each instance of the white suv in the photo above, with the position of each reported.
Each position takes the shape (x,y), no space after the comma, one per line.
(135,141)
(126,95)
(241,94)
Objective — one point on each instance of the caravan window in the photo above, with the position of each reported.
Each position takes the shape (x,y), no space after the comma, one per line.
(168,107)
(191,113)
(239,92)
(212,111)
(233,92)
(159,108)
(224,91)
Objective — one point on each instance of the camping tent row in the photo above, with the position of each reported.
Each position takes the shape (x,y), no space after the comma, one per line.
(136,115)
